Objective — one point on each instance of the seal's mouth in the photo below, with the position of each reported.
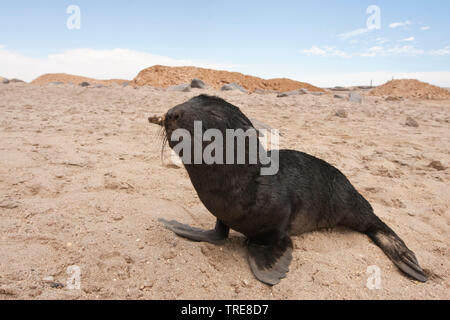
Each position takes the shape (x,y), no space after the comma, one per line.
(168,122)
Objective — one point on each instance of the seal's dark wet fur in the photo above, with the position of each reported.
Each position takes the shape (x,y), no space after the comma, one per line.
(306,194)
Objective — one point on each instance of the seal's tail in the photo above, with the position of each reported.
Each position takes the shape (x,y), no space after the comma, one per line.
(395,249)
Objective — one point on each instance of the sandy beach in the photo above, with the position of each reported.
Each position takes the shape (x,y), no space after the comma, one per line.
(83,184)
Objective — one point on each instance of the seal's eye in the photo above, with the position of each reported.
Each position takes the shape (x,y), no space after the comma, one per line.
(174,115)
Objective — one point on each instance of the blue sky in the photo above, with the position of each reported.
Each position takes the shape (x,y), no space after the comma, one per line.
(323,42)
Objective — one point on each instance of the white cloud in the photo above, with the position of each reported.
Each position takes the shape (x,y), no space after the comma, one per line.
(405,50)
(381,40)
(399,24)
(373,52)
(315,51)
(393,51)
(364,78)
(441,52)
(407,39)
(99,64)
(326,52)
(425,28)
(353,33)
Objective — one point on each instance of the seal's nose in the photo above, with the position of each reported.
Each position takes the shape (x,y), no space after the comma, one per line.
(156,120)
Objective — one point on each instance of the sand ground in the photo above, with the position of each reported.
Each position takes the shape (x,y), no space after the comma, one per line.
(82,183)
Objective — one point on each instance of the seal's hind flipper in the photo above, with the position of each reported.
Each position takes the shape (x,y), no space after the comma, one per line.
(270,263)
(409,265)
(396,250)
(360,217)
(216,236)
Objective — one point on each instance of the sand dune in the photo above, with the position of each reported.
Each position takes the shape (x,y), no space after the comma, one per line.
(411,89)
(162,76)
(69,78)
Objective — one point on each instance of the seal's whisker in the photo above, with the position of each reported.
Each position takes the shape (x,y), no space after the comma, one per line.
(161,134)
(163,140)
(163,147)
(161,137)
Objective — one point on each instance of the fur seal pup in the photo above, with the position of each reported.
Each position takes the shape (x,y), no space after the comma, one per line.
(306,194)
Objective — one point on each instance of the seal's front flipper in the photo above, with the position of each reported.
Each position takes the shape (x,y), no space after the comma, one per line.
(270,263)
(216,236)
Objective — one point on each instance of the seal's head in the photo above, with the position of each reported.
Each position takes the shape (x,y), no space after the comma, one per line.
(211,112)
(207,132)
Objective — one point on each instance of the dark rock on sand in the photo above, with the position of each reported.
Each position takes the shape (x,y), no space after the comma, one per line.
(16,81)
(354,97)
(293,93)
(437,165)
(339,89)
(263,91)
(181,88)
(410,122)
(198,84)
(233,86)
(391,98)
(341,113)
